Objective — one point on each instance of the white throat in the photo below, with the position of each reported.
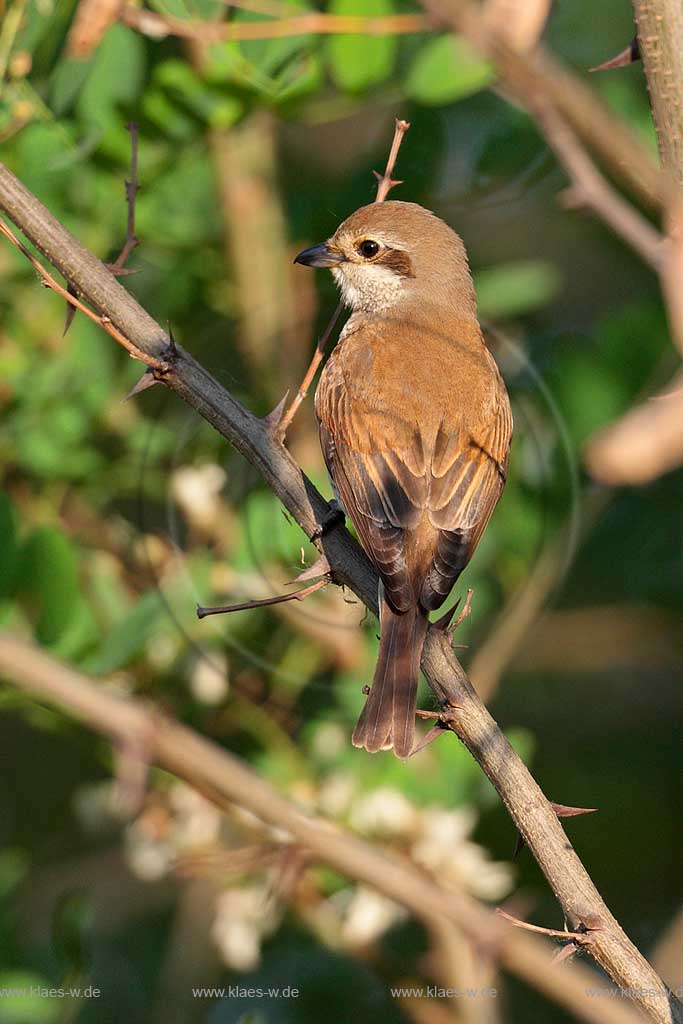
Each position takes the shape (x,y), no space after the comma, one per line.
(370,288)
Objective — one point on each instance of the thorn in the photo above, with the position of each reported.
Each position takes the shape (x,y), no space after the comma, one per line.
(520,843)
(565,953)
(70,310)
(434,732)
(321,567)
(564,811)
(273,419)
(123,271)
(627,56)
(365,690)
(148,380)
(172,347)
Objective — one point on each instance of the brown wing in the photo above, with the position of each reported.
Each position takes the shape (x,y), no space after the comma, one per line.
(383,491)
(453,485)
(468,473)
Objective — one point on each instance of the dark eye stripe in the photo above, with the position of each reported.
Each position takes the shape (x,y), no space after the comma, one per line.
(398,261)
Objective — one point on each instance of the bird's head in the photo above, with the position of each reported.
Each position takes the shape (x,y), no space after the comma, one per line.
(395,253)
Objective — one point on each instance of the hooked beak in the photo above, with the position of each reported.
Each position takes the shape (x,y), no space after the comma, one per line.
(320,255)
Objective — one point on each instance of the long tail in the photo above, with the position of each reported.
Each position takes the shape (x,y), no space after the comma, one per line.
(388,718)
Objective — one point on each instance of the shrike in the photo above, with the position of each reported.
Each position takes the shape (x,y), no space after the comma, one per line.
(415,428)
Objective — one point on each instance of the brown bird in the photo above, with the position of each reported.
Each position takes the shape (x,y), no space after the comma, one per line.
(415,428)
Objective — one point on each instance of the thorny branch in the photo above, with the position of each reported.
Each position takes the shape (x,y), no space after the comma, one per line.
(463,711)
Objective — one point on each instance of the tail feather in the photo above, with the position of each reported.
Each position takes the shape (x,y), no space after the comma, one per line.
(388,718)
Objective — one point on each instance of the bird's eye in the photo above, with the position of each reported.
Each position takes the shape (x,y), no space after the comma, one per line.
(368,248)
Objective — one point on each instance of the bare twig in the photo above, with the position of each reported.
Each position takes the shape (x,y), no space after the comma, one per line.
(553,933)
(226,778)
(318,356)
(591,190)
(540,75)
(466,715)
(131,188)
(159,25)
(101,320)
(264,602)
(385,183)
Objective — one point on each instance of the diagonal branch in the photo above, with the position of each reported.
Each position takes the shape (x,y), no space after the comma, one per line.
(464,712)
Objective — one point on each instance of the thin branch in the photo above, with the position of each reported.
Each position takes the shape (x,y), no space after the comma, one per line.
(264,602)
(101,320)
(660,41)
(318,356)
(223,777)
(591,189)
(131,188)
(540,75)
(533,815)
(553,933)
(159,25)
(385,182)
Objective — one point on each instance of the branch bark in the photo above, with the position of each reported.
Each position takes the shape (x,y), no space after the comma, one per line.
(464,712)
(660,37)
(215,771)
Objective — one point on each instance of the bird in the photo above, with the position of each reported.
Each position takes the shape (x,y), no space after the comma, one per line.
(415,427)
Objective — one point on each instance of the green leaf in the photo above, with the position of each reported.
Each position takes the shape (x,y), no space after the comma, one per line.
(128,638)
(360,61)
(511,289)
(446,69)
(66,82)
(116,75)
(48,575)
(211,105)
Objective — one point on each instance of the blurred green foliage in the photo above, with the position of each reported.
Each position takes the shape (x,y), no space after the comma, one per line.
(117,518)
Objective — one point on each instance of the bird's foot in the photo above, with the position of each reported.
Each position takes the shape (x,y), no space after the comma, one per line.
(333,517)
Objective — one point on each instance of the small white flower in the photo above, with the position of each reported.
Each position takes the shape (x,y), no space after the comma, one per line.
(336,793)
(209,678)
(369,915)
(385,811)
(196,490)
(243,918)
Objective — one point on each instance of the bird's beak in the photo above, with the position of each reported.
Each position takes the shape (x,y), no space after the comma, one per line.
(320,255)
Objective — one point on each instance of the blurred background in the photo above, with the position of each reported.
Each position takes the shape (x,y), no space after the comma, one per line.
(118,517)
